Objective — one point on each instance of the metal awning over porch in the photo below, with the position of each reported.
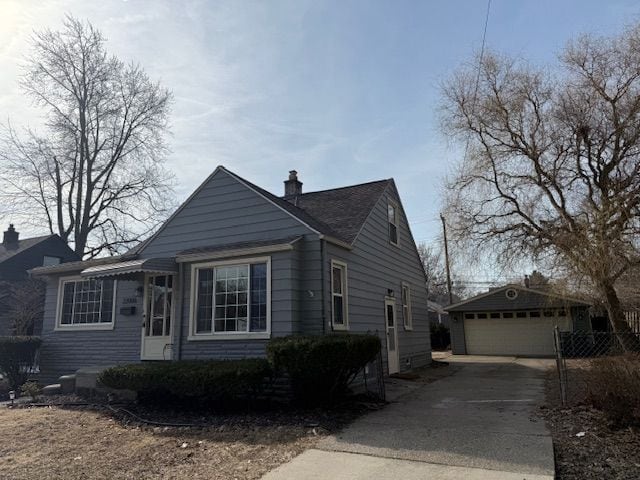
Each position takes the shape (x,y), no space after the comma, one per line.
(157,266)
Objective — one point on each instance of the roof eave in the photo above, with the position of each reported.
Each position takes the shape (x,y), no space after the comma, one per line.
(335,241)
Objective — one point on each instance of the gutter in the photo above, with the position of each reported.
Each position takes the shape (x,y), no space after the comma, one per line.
(323,257)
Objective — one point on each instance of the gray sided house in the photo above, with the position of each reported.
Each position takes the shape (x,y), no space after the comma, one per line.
(235,266)
(514,320)
(17,257)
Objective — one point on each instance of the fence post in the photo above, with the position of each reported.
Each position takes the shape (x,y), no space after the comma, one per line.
(560,365)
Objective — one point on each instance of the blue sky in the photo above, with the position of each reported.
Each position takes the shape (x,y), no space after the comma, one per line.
(342,91)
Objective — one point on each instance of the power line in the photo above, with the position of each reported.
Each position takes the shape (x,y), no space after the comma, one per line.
(477,86)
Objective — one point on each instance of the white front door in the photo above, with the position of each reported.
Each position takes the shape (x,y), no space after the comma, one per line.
(156,328)
(393,358)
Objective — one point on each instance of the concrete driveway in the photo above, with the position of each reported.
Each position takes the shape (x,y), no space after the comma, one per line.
(479,423)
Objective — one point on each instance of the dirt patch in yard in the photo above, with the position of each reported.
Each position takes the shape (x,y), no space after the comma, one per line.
(587,446)
(90,444)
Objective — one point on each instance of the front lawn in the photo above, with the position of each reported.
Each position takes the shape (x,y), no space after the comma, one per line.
(89,444)
(587,445)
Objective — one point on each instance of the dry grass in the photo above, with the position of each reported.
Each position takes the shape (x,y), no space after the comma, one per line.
(54,443)
(588,446)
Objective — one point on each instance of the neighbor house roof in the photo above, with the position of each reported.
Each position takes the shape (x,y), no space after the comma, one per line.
(23,245)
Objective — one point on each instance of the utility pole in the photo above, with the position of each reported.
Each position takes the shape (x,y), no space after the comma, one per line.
(446,258)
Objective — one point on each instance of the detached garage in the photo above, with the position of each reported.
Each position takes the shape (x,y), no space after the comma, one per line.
(514,320)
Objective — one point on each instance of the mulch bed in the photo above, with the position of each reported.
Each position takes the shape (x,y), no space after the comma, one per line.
(587,446)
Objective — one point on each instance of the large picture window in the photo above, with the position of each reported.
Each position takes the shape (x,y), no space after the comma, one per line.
(231,298)
(339,310)
(86,302)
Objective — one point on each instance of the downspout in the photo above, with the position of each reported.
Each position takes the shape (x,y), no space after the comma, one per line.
(180,310)
(323,257)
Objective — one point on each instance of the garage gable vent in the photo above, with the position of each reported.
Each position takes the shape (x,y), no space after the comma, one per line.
(511,293)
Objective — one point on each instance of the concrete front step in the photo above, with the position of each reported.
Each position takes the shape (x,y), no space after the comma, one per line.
(67,384)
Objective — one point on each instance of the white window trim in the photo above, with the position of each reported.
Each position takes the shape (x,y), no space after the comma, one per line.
(83,326)
(397,224)
(193,336)
(345,296)
(407,325)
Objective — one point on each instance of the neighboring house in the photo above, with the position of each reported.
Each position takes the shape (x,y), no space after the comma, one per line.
(437,314)
(514,320)
(235,266)
(17,256)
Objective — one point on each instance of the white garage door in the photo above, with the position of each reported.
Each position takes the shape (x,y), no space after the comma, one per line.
(512,336)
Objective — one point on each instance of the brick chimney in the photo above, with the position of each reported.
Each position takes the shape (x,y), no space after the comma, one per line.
(292,187)
(10,239)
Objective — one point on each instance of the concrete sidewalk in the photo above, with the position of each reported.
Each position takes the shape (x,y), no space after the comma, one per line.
(477,424)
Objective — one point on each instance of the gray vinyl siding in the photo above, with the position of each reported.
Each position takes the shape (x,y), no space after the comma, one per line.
(458,343)
(222,211)
(375,266)
(64,352)
(284,315)
(311,292)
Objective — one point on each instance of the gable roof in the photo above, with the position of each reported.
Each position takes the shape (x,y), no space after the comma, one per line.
(337,214)
(344,209)
(476,302)
(23,245)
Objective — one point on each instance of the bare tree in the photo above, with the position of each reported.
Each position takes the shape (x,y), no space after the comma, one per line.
(434,269)
(95,176)
(22,304)
(553,166)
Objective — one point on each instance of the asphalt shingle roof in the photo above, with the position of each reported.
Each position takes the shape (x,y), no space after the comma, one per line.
(339,212)
(344,209)
(24,244)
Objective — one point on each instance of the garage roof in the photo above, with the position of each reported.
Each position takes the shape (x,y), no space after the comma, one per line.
(524,299)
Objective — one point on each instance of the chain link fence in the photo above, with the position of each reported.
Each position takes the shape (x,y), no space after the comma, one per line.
(586,345)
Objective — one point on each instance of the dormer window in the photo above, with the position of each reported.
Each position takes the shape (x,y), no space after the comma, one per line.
(392,211)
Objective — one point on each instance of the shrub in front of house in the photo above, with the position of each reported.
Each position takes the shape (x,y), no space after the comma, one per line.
(17,357)
(613,386)
(321,368)
(223,384)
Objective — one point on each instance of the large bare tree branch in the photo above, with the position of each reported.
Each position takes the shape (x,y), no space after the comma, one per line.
(95,176)
(553,167)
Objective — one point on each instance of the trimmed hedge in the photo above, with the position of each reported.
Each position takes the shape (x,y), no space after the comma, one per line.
(17,356)
(322,367)
(200,383)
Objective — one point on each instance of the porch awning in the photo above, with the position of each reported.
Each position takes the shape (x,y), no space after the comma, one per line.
(158,266)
